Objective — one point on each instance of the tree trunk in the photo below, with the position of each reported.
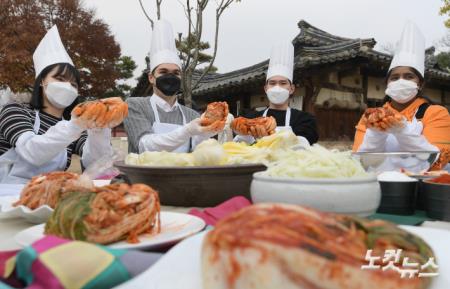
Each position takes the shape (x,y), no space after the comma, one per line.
(187,88)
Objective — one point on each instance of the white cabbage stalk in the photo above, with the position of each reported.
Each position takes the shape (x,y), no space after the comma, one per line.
(283,139)
(316,162)
(209,153)
(132,159)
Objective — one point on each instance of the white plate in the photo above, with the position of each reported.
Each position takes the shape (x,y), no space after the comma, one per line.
(174,227)
(10,193)
(180,268)
(36,216)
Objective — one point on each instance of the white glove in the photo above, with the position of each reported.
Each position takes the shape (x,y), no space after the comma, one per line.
(410,137)
(40,149)
(227,133)
(374,141)
(97,145)
(198,132)
(164,142)
(195,129)
(171,140)
(244,138)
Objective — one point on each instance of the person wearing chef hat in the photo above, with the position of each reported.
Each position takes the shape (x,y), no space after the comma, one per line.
(40,137)
(159,122)
(426,127)
(279,87)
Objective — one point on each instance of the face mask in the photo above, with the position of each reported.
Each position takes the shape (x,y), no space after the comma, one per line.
(277,95)
(61,94)
(402,90)
(169,84)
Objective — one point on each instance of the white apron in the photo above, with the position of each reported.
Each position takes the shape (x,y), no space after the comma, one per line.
(303,142)
(162,128)
(15,170)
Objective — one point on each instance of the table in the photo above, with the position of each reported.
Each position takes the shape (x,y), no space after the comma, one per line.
(10,227)
(419,218)
(416,219)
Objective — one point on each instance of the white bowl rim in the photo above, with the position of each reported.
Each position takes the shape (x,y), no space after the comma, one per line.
(261,177)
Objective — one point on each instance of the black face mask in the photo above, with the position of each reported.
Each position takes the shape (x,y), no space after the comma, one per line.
(169,84)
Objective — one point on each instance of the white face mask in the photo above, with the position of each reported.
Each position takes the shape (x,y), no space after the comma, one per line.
(277,95)
(402,90)
(61,94)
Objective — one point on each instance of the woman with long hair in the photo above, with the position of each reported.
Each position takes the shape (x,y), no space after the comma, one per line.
(40,136)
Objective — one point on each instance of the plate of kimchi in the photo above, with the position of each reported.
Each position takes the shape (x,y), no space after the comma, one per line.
(36,200)
(119,215)
(174,227)
(285,246)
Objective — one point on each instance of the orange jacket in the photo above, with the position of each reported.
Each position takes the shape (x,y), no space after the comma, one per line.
(436,128)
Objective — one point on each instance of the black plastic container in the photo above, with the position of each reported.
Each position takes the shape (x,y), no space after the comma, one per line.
(421,199)
(437,204)
(398,198)
(194,186)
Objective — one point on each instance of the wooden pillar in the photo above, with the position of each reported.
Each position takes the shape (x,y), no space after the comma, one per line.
(308,102)
(365,85)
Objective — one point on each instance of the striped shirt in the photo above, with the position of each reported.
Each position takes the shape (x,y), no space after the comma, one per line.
(16,119)
(141,118)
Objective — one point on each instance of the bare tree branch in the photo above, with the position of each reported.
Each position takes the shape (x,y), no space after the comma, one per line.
(145,13)
(184,8)
(192,45)
(158,8)
(194,41)
(220,9)
(190,28)
(180,51)
(224,4)
(211,63)
(201,5)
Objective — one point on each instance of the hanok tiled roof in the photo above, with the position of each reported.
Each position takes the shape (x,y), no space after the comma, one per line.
(312,47)
(313,36)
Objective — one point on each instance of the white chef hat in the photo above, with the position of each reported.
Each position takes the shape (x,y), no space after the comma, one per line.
(410,50)
(163,48)
(281,60)
(50,51)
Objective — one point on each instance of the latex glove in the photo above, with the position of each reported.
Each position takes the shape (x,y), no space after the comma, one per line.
(374,141)
(410,137)
(172,140)
(164,142)
(97,145)
(199,133)
(227,134)
(244,138)
(194,128)
(40,149)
